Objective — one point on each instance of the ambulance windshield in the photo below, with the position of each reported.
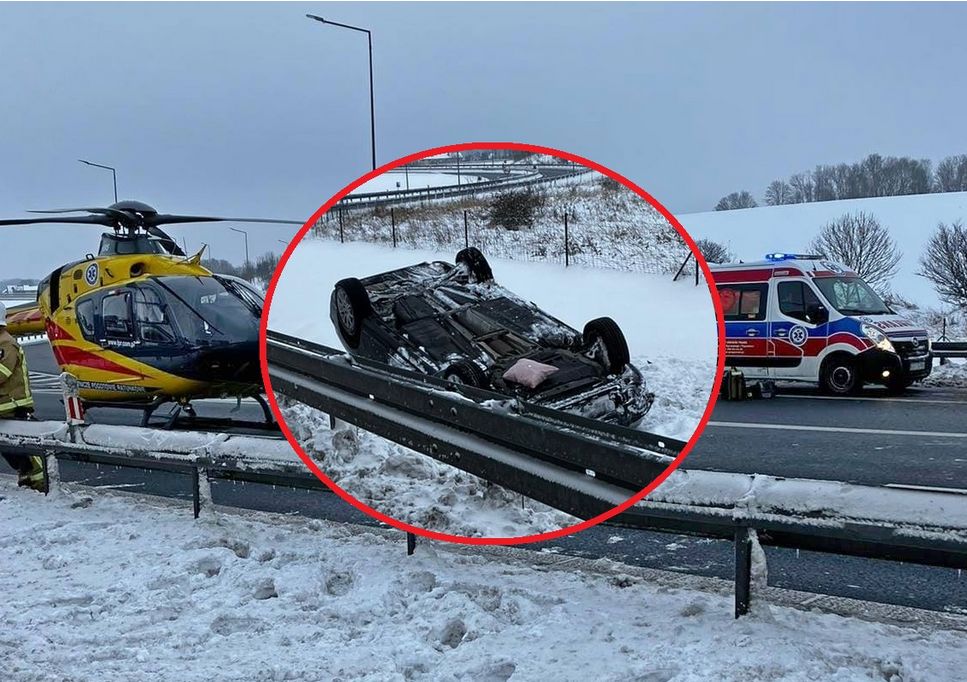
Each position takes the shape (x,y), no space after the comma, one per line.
(852,296)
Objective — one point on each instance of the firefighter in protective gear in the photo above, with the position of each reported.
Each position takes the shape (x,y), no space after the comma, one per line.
(16,402)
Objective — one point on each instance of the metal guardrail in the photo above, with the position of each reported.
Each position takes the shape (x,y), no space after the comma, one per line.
(581,466)
(514,179)
(949,349)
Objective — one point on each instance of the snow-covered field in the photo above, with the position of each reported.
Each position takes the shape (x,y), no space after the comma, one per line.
(670,328)
(118,587)
(397,179)
(753,232)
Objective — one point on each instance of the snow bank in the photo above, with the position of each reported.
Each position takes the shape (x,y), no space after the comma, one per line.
(753,232)
(415,488)
(114,588)
(951,375)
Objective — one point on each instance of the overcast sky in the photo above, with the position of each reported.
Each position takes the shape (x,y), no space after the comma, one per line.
(247,109)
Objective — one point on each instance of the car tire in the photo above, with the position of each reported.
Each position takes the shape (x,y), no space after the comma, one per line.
(476,263)
(350,306)
(608,334)
(839,375)
(466,373)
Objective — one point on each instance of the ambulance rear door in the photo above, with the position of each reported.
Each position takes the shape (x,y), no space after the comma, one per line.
(744,305)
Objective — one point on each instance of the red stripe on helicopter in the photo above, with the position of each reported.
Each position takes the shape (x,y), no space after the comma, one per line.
(68,355)
(57,333)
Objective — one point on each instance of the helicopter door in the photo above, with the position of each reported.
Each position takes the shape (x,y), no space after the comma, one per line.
(117,319)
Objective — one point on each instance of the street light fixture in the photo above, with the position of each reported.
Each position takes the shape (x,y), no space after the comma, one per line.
(245,234)
(372,100)
(113,172)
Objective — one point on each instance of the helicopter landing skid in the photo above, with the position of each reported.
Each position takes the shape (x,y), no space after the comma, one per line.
(183,415)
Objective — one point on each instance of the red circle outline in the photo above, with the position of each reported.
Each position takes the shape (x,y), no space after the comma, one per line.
(523,539)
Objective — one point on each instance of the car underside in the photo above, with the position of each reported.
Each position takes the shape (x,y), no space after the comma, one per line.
(456,323)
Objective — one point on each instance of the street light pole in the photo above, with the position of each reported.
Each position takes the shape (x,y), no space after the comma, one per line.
(113,173)
(372,98)
(245,234)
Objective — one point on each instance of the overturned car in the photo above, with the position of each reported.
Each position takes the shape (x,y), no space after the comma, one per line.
(456,323)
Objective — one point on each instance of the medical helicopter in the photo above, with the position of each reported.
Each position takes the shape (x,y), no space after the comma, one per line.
(141,323)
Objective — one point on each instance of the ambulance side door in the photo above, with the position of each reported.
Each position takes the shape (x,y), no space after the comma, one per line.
(746,327)
(800,328)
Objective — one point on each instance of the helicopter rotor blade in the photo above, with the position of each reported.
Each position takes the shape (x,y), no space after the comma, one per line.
(169,219)
(104,220)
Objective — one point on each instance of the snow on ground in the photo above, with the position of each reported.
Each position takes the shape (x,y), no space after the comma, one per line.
(397,179)
(414,488)
(117,587)
(953,374)
(670,328)
(753,232)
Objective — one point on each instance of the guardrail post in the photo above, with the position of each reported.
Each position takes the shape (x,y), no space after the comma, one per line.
(743,569)
(696,272)
(410,543)
(51,474)
(567,243)
(201,490)
(466,231)
(392,217)
(341,239)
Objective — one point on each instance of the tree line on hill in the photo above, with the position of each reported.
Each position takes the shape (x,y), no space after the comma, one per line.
(874,176)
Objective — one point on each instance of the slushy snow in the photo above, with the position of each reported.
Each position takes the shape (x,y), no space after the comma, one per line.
(118,587)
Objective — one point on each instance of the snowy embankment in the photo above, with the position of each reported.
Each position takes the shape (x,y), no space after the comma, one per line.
(609,226)
(911,220)
(670,328)
(115,587)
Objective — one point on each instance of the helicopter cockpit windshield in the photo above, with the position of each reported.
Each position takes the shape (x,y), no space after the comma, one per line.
(210,311)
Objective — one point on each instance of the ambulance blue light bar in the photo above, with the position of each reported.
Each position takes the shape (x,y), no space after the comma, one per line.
(776,257)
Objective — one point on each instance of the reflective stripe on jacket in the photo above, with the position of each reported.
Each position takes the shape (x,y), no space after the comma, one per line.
(14,379)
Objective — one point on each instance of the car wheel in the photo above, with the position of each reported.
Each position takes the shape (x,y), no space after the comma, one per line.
(466,373)
(350,306)
(604,337)
(476,263)
(839,376)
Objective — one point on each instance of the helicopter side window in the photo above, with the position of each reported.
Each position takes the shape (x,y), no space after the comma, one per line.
(85,318)
(116,316)
(151,315)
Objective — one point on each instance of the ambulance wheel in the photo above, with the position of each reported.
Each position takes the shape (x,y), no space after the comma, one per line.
(350,306)
(605,332)
(476,263)
(466,373)
(840,376)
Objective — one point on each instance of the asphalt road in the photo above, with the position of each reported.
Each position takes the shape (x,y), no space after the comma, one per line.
(917,439)
(914,440)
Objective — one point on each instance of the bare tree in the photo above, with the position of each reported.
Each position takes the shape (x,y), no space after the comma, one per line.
(951,174)
(859,241)
(736,200)
(714,252)
(802,188)
(944,262)
(778,193)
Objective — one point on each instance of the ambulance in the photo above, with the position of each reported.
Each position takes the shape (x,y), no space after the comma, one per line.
(796,317)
